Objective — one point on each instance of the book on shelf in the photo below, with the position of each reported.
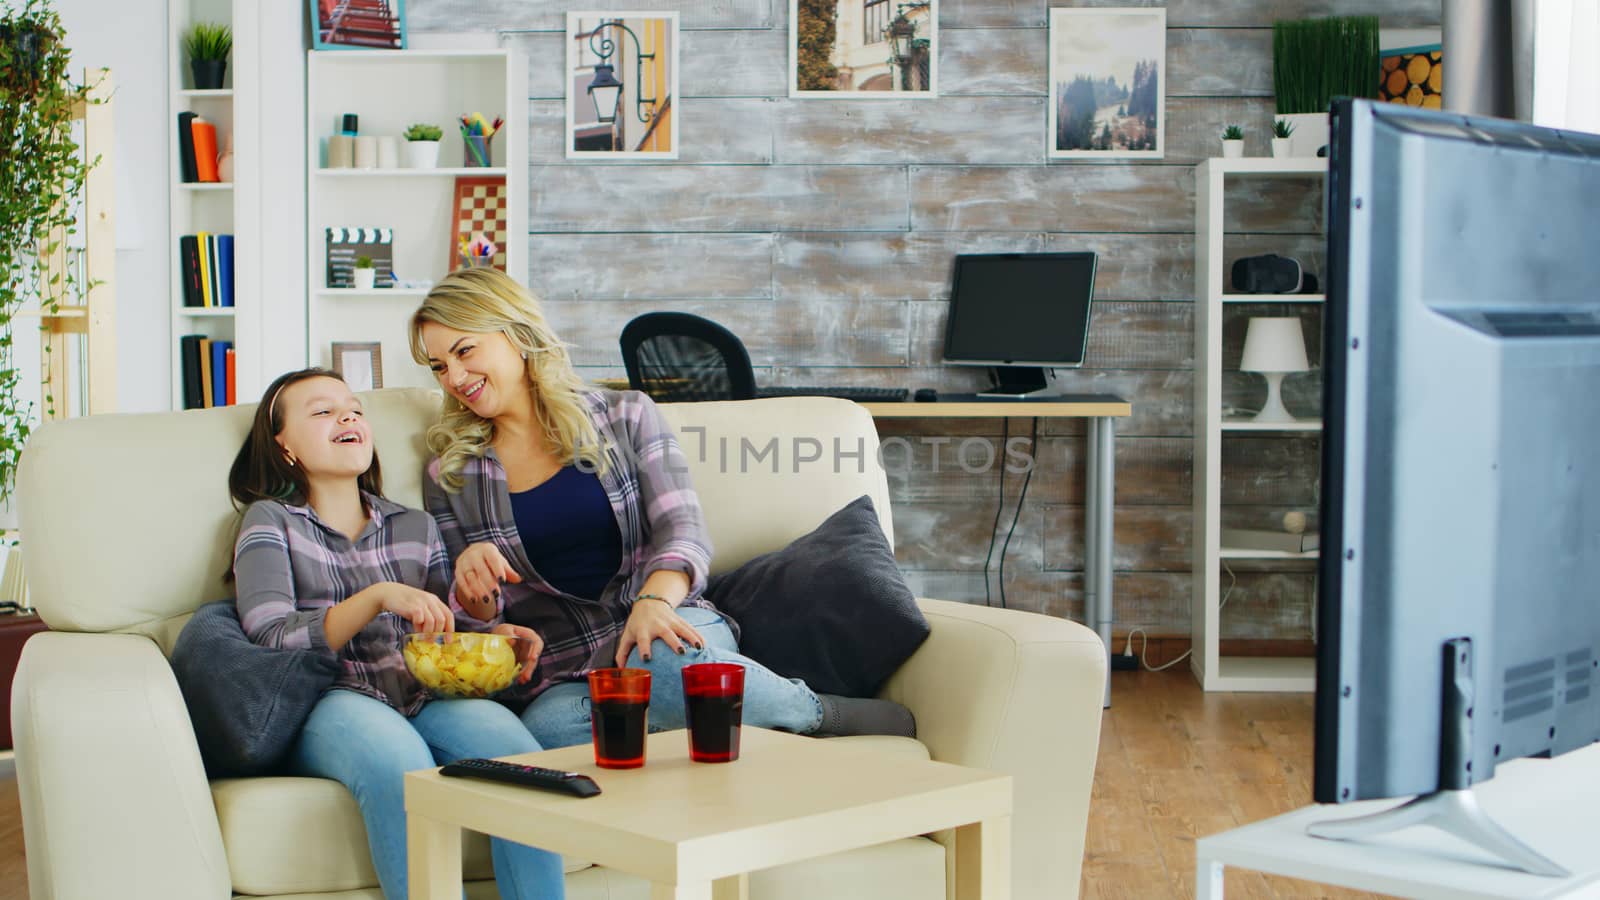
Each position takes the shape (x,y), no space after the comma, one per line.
(205,151)
(205,373)
(345,244)
(186,165)
(189,357)
(232,390)
(218,386)
(189,255)
(225,267)
(1265,539)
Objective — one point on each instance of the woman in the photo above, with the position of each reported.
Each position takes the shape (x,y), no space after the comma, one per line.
(324,562)
(569,511)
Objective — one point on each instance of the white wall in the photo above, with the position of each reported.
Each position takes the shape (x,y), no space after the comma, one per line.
(130,38)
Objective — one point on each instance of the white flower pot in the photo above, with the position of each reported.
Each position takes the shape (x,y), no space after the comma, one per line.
(1310,133)
(1280,147)
(1232,149)
(422,154)
(365,278)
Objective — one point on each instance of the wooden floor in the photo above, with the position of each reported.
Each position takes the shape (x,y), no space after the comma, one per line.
(1174,763)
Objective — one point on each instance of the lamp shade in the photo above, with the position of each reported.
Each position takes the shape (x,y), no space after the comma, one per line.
(1274,345)
(605,90)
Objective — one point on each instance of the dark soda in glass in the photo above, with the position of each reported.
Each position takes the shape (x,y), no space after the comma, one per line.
(619,701)
(713,701)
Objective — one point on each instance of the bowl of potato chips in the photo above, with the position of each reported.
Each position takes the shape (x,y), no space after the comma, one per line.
(463,664)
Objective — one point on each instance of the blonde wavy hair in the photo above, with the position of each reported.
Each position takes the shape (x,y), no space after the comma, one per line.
(487,301)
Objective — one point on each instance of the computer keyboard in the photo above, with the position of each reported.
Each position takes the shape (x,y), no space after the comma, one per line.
(856,394)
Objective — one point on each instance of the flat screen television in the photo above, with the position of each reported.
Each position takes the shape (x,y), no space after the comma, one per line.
(1459,585)
(1019,313)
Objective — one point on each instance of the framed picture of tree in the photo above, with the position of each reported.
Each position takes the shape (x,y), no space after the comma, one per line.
(864,49)
(1108,83)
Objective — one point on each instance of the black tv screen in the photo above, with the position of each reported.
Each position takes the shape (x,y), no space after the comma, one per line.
(1020,309)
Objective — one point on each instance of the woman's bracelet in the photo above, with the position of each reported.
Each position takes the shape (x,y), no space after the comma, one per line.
(655,597)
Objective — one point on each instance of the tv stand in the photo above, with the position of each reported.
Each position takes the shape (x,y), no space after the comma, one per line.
(1453,807)
(1016,382)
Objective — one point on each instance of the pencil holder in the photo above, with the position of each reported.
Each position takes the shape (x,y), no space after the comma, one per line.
(476,262)
(477,151)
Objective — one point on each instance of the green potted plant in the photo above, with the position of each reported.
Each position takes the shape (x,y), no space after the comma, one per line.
(41,194)
(1282,129)
(422,145)
(208,45)
(1316,60)
(1232,142)
(365,275)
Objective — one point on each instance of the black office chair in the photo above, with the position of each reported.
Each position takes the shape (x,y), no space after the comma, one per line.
(678,357)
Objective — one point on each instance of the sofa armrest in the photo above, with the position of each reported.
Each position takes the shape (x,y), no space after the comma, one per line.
(1020,693)
(114,796)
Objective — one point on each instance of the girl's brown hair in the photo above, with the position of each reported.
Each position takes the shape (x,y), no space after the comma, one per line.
(261,471)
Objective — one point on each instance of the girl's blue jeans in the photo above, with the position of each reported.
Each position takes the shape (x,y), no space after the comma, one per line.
(367,746)
(560,717)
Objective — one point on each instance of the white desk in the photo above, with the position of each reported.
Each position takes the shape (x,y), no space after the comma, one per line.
(1552,805)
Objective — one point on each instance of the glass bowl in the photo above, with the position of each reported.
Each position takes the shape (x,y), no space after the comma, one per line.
(463,664)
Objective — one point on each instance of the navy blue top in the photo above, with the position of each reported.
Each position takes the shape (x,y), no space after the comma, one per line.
(570,532)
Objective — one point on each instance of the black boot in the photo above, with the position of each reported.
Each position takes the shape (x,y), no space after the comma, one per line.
(843,716)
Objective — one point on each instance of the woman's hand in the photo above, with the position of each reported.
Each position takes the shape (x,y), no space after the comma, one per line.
(423,610)
(479,571)
(527,651)
(651,619)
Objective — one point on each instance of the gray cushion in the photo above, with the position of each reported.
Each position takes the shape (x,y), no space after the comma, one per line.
(831,608)
(247,702)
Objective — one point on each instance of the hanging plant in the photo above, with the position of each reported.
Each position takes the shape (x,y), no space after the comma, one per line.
(42,174)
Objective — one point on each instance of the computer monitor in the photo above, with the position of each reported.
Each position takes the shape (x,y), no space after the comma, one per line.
(1459,601)
(1019,313)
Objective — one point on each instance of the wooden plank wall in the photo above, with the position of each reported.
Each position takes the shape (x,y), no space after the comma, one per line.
(822,232)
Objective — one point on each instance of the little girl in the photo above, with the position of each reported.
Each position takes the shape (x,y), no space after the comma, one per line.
(324,562)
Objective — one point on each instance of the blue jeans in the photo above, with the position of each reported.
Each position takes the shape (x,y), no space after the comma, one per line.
(560,717)
(367,746)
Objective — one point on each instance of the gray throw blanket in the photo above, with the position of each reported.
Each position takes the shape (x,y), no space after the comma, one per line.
(247,702)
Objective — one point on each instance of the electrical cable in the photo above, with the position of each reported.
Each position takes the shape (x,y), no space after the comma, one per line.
(999,505)
(1144,642)
(1033,445)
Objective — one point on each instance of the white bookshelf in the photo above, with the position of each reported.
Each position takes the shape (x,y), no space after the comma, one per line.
(1214,671)
(389,91)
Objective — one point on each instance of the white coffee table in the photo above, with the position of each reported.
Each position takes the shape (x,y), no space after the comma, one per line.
(695,829)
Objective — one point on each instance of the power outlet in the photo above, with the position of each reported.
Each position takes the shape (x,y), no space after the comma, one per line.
(1123,663)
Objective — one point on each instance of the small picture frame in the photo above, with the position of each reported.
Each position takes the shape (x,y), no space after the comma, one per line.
(359,364)
(374,25)
(622,85)
(1108,83)
(879,49)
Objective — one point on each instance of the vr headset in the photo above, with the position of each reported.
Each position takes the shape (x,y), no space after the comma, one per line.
(1271,274)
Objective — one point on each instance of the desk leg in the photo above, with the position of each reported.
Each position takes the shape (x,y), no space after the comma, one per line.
(1207,879)
(1100,531)
(433,858)
(983,860)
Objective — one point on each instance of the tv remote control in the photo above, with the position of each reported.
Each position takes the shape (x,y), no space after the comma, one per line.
(527,776)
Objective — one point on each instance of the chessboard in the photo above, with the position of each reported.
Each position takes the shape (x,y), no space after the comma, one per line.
(480,208)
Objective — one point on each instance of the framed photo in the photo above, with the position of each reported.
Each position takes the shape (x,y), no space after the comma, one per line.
(864,49)
(367,25)
(1108,83)
(622,85)
(479,209)
(360,365)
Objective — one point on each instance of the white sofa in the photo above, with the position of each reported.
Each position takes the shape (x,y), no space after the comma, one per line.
(127,527)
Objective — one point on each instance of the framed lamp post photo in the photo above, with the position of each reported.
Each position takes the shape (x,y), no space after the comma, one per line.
(622,85)
(864,49)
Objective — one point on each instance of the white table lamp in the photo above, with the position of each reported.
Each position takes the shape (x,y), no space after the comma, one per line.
(1274,347)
